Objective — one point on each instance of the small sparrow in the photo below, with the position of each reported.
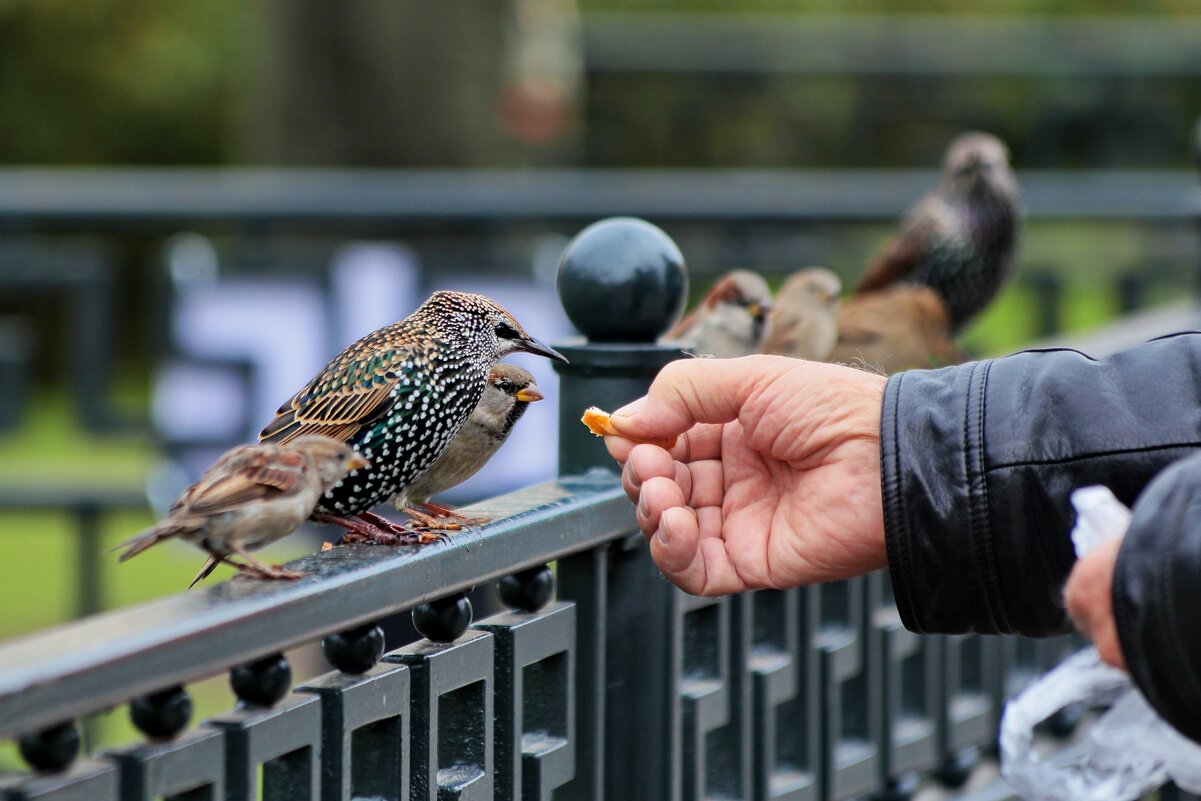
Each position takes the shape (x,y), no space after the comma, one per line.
(399,396)
(509,393)
(252,496)
(960,239)
(803,320)
(730,321)
(903,327)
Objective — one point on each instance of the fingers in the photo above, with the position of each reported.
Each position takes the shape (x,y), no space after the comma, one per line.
(688,548)
(1087,596)
(694,391)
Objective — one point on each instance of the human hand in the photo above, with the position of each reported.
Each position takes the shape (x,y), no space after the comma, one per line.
(1089,599)
(775,481)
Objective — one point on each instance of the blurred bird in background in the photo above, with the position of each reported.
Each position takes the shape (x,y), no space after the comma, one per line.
(399,396)
(960,239)
(252,496)
(730,321)
(902,327)
(510,391)
(804,316)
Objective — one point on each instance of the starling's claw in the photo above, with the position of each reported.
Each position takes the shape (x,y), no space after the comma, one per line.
(420,520)
(438,510)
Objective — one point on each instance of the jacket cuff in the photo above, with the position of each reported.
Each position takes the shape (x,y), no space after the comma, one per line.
(936,521)
(1155,597)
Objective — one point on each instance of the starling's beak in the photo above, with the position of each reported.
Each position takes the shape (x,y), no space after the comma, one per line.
(531,345)
(356,462)
(529,395)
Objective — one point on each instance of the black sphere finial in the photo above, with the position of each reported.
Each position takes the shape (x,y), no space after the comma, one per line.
(262,682)
(162,715)
(622,280)
(443,620)
(52,749)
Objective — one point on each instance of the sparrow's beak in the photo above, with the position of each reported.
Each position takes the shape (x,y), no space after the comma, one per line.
(529,395)
(531,345)
(758,310)
(356,462)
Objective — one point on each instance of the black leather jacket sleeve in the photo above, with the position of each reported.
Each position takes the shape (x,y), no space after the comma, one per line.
(1157,595)
(978,463)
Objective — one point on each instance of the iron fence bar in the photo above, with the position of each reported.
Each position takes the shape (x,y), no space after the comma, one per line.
(891,44)
(164,198)
(122,654)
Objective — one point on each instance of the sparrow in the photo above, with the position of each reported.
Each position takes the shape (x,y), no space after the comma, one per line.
(900,328)
(803,320)
(960,239)
(252,496)
(730,321)
(399,396)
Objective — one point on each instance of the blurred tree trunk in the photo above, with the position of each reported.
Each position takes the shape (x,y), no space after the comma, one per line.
(418,82)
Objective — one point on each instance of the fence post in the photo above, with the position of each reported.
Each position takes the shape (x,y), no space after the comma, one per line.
(622,283)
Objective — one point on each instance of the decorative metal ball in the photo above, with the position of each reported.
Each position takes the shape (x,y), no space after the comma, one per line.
(443,620)
(622,280)
(52,749)
(355,651)
(528,590)
(262,683)
(162,715)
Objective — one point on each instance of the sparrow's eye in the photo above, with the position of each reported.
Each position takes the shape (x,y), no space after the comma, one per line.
(506,331)
(506,387)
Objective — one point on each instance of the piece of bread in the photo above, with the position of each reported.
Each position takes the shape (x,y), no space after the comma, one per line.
(597,421)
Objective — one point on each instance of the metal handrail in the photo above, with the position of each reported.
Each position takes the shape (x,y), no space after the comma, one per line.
(89,665)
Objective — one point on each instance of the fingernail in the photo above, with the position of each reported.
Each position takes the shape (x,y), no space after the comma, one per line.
(663,534)
(642,505)
(630,409)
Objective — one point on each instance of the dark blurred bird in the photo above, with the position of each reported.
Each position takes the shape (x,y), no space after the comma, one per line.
(252,496)
(399,396)
(804,316)
(960,239)
(900,328)
(730,321)
(509,393)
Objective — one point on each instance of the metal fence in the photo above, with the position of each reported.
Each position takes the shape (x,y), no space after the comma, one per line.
(599,681)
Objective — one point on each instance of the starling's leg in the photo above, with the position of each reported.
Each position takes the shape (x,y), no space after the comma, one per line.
(359,530)
(437,510)
(407,535)
(262,569)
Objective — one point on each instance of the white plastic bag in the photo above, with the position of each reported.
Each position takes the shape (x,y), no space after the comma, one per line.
(1129,750)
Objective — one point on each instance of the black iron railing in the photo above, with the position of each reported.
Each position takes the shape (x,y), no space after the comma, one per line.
(600,681)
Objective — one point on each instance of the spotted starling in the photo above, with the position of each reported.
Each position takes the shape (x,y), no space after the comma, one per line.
(803,320)
(252,496)
(730,320)
(398,396)
(509,393)
(903,327)
(960,239)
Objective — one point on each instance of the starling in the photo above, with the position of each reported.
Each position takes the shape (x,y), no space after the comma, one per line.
(803,320)
(730,321)
(252,496)
(900,328)
(509,393)
(398,396)
(960,239)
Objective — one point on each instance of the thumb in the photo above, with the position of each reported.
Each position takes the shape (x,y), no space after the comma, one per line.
(692,391)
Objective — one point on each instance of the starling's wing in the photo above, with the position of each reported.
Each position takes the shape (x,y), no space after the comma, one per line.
(252,473)
(903,256)
(353,391)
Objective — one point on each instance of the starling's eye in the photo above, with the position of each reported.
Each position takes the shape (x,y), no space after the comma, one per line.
(506,331)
